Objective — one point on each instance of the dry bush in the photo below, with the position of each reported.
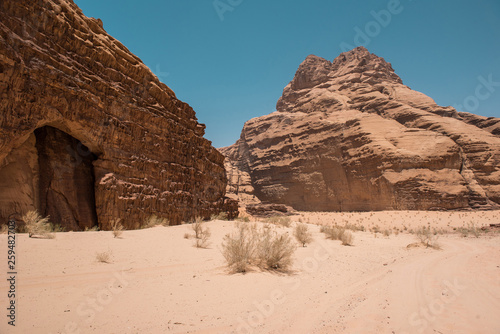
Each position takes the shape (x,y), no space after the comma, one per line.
(426,237)
(219,216)
(264,248)
(334,232)
(94,228)
(354,227)
(347,238)
(201,233)
(187,236)
(387,233)
(275,250)
(35,225)
(104,257)
(153,221)
(470,229)
(117,228)
(239,248)
(302,234)
(279,220)
(196,226)
(244,219)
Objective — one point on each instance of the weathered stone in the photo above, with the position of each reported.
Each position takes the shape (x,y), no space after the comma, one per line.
(349,136)
(269,210)
(88,133)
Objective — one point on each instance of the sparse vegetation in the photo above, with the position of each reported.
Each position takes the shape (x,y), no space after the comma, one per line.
(38,226)
(333,232)
(94,228)
(302,234)
(279,220)
(471,229)
(239,249)
(201,233)
(116,228)
(275,250)
(153,221)
(103,257)
(427,238)
(219,216)
(264,248)
(244,219)
(338,233)
(347,238)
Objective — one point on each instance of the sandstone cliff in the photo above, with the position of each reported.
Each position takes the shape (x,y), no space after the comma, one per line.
(349,135)
(87,133)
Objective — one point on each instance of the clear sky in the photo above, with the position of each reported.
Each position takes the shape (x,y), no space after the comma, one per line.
(231,59)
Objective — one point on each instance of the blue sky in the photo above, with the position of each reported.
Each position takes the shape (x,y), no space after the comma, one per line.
(231,59)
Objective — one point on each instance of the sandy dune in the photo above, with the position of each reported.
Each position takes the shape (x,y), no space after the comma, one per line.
(157,282)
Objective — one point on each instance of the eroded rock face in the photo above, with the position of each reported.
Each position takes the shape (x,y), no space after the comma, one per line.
(71,95)
(348,135)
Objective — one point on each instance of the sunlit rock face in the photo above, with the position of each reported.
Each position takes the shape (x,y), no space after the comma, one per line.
(88,134)
(349,135)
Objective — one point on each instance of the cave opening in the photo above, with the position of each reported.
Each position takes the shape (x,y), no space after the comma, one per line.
(66,180)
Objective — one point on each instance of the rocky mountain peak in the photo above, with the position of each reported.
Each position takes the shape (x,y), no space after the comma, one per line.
(360,60)
(349,136)
(351,70)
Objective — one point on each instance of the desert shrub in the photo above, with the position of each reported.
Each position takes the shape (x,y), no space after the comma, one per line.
(245,219)
(279,220)
(201,233)
(239,248)
(187,236)
(263,248)
(93,228)
(57,228)
(302,234)
(427,238)
(153,221)
(470,229)
(38,226)
(334,232)
(219,216)
(275,250)
(196,226)
(387,233)
(354,227)
(104,257)
(347,238)
(116,228)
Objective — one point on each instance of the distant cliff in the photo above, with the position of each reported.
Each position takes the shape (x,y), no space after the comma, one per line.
(348,135)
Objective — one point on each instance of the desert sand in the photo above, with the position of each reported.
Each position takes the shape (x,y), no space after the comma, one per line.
(156,281)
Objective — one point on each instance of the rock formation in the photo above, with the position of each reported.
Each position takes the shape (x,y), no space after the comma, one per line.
(88,134)
(348,135)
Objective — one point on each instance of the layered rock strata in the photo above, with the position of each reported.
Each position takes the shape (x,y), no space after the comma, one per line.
(88,133)
(348,135)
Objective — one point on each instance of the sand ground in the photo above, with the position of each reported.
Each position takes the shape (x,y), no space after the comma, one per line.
(157,282)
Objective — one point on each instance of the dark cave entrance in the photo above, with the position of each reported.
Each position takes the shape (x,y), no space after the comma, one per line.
(66,184)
